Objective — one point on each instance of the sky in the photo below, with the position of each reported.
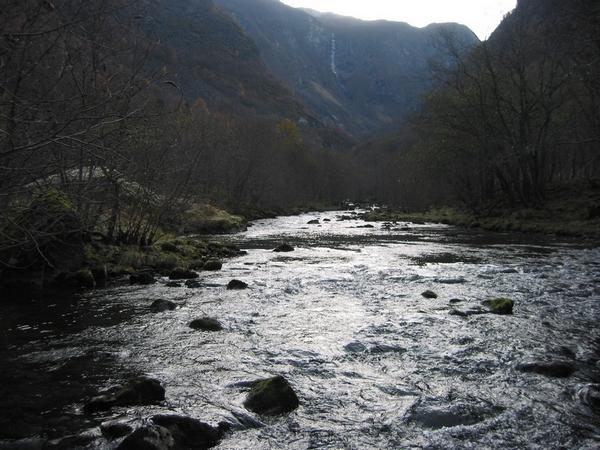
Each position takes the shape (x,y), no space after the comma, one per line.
(481,16)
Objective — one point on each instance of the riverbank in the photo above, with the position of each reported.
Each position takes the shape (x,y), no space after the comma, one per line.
(570,213)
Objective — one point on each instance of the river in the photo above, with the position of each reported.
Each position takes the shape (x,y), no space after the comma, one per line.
(374,363)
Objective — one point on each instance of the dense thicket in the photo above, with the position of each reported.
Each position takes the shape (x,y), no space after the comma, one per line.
(508,120)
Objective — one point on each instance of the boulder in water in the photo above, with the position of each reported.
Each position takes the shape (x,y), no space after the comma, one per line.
(206,324)
(212,265)
(143,278)
(162,305)
(429,294)
(313,222)
(237,285)
(271,396)
(284,248)
(182,274)
(189,433)
(138,391)
(152,437)
(83,278)
(557,368)
(502,306)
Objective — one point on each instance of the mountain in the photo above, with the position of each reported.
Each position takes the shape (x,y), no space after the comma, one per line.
(211,59)
(362,76)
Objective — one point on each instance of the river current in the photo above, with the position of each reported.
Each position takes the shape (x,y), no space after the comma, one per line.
(374,363)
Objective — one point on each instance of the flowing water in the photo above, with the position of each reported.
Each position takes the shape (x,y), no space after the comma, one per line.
(374,363)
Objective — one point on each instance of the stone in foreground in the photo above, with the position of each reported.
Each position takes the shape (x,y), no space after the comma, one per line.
(151,437)
(502,306)
(138,391)
(189,433)
(206,324)
(271,397)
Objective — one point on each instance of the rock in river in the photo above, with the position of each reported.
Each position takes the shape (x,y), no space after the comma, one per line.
(206,324)
(284,248)
(138,391)
(236,285)
(558,368)
(313,222)
(152,437)
(429,294)
(499,305)
(182,274)
(162,305)
(189,433)
(272,396)
(144,278)
(212,265)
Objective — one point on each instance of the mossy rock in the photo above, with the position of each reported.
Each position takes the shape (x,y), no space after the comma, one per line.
(206,324)
(271,397)
(144,278)
(169,247)
(212,265)
(50,233)
(80,279)
(502,306)
(429,294)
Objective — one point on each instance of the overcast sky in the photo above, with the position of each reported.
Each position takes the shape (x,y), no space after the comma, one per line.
(481,16)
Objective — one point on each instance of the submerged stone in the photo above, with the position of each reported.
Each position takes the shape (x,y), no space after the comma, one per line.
(193,284)
(429,294)
(162,305)
(206,324)
(313,222)
(499,305)
(284,248)
(271,396)
(138,391)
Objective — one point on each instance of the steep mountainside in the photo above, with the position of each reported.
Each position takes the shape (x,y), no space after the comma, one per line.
(362,76)
(212,60)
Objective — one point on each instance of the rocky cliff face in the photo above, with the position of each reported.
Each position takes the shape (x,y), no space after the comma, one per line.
(364,77)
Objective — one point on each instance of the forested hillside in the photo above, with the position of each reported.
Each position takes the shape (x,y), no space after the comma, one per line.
(514,123)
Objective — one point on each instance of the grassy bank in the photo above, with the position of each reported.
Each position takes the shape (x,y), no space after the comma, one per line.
(567,212)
